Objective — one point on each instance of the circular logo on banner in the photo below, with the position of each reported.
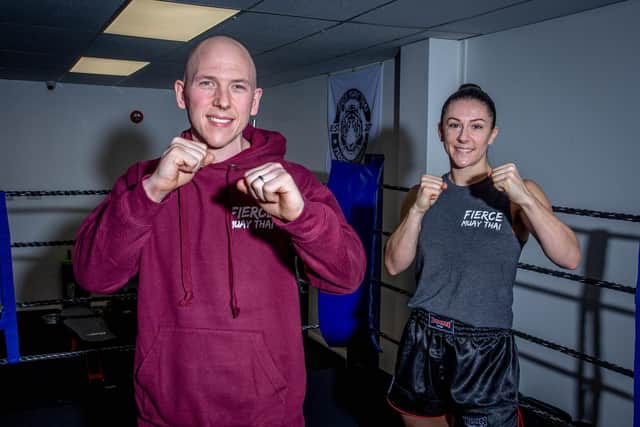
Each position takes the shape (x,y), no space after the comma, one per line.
(350,128)
(136,116)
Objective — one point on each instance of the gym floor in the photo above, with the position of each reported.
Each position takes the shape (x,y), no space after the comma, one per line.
(92,391)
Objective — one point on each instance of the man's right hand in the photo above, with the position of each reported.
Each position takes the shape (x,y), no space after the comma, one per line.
(178,165)
(428,192)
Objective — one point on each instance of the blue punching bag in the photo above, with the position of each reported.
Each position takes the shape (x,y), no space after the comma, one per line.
(357,189)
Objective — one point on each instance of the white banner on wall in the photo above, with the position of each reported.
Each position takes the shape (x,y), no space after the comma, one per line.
(354,110)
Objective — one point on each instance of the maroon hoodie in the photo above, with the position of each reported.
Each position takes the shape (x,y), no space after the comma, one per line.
(219,329)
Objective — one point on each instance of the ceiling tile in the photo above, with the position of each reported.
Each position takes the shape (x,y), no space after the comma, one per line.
(519,15)
(273,76)
(428,13)
(75,14)
(123,47)
(32,74)
(338,10)
(336,64)
(274,32)
(227,4)
(30,60)
(42,39)
(340,40)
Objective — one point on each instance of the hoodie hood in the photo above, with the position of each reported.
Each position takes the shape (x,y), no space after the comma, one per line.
(266,146)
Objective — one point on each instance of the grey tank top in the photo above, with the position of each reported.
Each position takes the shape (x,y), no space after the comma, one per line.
(467,256)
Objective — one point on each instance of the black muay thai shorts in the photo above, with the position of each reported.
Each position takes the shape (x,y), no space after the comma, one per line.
(446,367)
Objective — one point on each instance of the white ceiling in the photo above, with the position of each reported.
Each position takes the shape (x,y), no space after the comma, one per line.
(290,39)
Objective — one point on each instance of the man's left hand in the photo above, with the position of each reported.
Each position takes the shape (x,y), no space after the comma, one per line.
(274,190)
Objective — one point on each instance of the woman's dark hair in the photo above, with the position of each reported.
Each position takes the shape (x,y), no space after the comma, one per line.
(471,91)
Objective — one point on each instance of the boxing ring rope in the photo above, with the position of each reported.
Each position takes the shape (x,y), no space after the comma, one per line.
(546,415)
(42,244)
(13,355)
(130,296)
(69,354)
(576,278)
(38,193)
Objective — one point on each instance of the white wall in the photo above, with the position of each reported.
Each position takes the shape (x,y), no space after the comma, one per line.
(76,137)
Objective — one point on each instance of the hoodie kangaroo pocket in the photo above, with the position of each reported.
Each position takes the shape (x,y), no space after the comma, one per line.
(202,377)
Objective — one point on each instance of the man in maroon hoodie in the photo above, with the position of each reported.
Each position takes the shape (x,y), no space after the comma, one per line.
(211,228)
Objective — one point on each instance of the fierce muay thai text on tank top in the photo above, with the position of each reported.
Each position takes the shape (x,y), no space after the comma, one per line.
(467,256)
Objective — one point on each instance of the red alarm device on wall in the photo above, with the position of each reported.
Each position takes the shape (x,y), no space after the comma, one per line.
(136,116)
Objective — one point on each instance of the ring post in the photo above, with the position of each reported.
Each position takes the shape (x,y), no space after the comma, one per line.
(8,319)
(636,378)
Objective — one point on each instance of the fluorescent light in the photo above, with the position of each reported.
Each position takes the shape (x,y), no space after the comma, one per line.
(165,20)
(112,67)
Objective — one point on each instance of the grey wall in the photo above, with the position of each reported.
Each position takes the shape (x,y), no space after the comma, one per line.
(567,97)
(76,137)
(297,110)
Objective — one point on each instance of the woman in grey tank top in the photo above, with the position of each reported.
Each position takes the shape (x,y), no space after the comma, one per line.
(457,363)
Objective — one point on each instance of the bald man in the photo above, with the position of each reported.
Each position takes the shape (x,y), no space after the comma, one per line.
(211,229)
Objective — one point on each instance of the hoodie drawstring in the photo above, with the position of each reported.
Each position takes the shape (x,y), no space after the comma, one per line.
(235,309)
(185,258)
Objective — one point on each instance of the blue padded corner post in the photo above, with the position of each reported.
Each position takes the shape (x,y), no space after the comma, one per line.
(8,319)
(636,370)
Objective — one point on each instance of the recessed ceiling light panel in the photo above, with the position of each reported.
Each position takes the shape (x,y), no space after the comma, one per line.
(111,67)
(166,20)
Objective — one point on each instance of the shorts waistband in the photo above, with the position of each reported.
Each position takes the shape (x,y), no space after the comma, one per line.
(452,326)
